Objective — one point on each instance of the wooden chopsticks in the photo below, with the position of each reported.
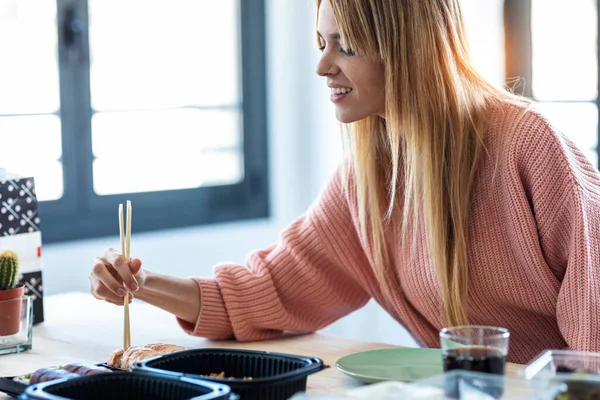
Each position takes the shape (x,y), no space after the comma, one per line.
(125,248)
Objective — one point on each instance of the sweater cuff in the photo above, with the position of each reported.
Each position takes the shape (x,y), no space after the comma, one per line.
(213,320)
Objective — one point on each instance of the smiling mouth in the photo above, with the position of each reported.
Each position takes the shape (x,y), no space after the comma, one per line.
(344,90)
(338,94)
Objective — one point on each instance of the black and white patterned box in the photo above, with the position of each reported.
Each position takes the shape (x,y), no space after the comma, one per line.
(20,232)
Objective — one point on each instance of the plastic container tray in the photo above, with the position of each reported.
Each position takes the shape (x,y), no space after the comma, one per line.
(579,371)
(126,386)
(274,376)
(472,385)
(13,388)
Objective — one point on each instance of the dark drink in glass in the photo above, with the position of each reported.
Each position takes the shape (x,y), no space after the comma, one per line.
(477,349)
(478,359)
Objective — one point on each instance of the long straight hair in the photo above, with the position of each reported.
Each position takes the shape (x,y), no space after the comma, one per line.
(420,160)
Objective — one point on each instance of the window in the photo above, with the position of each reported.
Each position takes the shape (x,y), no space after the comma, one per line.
(553,46)
(161,103)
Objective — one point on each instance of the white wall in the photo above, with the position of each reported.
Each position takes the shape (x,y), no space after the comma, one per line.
(484,25)
(305,147)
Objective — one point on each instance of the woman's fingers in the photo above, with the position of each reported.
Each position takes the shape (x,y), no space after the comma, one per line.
(102,292)
(111,275)
(118,262)
(135,265)
(106,281)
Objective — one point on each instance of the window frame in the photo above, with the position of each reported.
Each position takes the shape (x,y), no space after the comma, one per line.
(82,214)
(519,56)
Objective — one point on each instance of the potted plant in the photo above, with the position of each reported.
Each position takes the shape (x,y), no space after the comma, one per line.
(11,294)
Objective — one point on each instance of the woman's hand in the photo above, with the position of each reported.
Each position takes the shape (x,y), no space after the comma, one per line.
(111,274)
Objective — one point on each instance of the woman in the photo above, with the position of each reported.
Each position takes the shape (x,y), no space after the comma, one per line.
(459,205)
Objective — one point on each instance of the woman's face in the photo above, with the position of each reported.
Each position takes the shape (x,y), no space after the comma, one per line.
(357,83)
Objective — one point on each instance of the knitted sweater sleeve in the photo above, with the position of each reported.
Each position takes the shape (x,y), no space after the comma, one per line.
(564,192)
(297,284)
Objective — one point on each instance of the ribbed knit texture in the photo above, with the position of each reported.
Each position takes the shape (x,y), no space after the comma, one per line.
(534,256)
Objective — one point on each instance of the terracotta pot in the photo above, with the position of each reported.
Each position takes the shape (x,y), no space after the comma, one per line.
(10,310)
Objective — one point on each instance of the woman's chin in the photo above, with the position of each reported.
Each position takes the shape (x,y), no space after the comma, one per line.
(345,117)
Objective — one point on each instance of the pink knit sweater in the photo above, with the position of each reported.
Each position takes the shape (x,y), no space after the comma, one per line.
(534,257)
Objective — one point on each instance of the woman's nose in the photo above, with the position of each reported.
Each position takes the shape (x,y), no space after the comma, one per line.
(325,67)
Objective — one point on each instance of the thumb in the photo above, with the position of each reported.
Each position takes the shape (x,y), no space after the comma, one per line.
(135,265)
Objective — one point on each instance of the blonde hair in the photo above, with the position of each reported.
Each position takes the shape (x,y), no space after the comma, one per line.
(421,158)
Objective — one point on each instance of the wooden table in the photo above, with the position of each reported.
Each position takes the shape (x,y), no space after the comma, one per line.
(79,328)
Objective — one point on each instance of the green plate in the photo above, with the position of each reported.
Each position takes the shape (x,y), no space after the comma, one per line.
(404,365)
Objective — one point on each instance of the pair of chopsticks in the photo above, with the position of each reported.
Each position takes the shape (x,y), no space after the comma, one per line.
(125,248)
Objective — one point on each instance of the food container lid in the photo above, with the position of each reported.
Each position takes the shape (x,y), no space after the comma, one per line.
(566,364)
(467,384)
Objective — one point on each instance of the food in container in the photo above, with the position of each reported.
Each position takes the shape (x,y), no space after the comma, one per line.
(61,372)
(275,376)
(578,371)
(125,359)
(118,361)
(14,386)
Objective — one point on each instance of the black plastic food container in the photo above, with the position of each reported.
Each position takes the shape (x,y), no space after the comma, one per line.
(127,386)
(274,376)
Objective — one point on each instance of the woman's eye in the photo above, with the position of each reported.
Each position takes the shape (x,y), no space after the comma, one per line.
(321,44)
(348,52)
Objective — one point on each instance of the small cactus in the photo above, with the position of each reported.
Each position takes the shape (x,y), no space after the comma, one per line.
(9,270)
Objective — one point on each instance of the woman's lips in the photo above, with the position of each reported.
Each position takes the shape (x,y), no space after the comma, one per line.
(339,94)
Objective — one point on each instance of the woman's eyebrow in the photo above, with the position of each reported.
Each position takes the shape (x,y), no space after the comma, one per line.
(334,36)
